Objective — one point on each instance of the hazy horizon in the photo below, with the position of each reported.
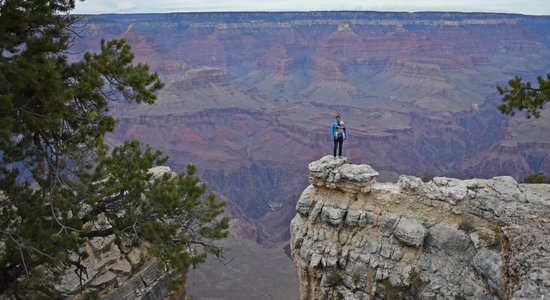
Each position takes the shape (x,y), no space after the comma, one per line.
(530,7)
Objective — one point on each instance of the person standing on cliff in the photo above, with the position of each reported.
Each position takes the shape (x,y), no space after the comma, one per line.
(338,134)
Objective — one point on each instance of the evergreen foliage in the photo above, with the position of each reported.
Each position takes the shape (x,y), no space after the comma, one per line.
(536,178)
(519,96)
(60,182)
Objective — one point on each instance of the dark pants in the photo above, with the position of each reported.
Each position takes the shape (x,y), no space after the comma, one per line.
(338,144)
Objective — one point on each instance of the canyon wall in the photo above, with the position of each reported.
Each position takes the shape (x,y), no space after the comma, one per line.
(355,238)
(249,98)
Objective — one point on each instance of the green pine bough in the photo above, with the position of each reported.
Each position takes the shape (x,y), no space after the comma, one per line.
(59,177)
(519,96)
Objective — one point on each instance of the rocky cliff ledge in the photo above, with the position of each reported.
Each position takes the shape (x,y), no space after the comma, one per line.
(117,269)
(354,238)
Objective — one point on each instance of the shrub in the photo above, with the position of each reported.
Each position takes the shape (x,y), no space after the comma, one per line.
(334,277)
(338,296)
(388,290)
(466,225)
(536,178)
(356,278)
(91,295)
(416,283)
(427,176)
(493,238)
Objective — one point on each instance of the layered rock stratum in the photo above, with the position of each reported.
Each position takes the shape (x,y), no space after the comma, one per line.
(417,91)
(114,271)
(249,98)
(356,238)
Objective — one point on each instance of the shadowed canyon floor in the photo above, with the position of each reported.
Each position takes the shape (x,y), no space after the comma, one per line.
(250,272)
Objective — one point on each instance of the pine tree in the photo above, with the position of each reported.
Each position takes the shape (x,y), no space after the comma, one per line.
(519,96)
(59,177)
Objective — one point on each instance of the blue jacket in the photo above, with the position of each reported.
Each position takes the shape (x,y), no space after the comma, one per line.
(333,130)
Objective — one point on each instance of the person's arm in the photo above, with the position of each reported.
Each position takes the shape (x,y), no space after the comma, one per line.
(333,129)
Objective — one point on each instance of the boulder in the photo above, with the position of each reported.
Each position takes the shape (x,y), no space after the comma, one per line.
(387,223)
(409,184)
(159,171)
(304,204)
(356,178)
(319,171)
(410,231)
(450,241)
(334,172)
(487,264)
(355,217)
(332,215)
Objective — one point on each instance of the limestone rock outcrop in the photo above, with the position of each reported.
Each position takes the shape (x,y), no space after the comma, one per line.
(444,239)
(116,272)
(117,269)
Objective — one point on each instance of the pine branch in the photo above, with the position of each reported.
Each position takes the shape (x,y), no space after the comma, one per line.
(98,233)
(101,206)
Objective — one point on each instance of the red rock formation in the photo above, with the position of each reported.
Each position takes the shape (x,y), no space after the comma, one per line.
(417,90)
(328,67)
(147,51)
(279,60)
(344,46)
(202,77)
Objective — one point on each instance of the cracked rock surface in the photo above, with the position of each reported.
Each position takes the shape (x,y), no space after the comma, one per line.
(443,239)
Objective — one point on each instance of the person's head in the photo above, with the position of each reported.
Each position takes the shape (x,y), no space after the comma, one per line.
(337,117)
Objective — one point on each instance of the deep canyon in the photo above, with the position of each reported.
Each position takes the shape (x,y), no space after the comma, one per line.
(250,97)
